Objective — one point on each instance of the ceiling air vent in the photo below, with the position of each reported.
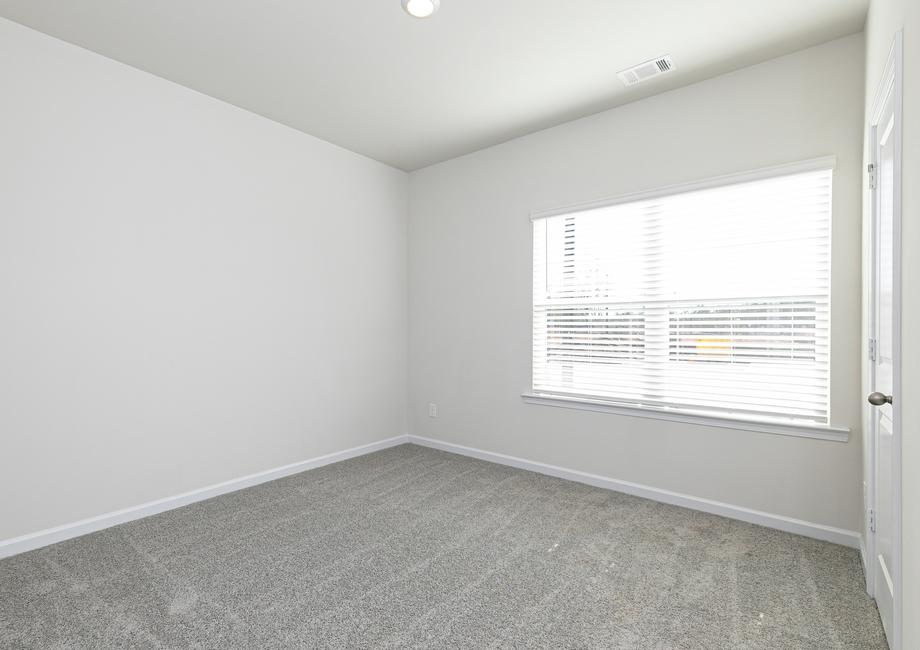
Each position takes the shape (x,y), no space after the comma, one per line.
(647,70)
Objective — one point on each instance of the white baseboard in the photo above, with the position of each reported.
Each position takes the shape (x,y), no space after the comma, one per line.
(41,538)
(788,524)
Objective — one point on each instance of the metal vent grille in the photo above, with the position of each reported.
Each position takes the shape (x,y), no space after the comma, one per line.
(646,70)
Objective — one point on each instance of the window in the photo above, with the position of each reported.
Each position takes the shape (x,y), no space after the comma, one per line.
(711,300)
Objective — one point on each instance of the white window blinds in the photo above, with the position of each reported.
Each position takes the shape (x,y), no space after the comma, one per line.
(715,300)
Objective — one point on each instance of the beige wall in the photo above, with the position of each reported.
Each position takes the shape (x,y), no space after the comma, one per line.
(885,18)
(190,293)
(470,282)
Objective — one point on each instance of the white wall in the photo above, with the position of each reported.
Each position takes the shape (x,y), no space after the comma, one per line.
(885,18)
(190,293)
(470,282)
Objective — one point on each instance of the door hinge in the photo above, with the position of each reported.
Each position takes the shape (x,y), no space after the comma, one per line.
(873,345)
(872,520)
(873,177)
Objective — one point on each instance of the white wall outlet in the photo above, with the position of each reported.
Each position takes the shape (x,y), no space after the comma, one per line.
(432,410)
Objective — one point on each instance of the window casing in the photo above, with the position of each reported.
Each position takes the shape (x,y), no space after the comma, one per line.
(711,300)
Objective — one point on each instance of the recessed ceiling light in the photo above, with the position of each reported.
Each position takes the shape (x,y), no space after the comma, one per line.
(421,8)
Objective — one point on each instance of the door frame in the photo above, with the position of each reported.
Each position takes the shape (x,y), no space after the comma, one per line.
(891,84)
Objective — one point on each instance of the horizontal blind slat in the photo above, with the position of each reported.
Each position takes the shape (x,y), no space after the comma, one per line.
(717,299)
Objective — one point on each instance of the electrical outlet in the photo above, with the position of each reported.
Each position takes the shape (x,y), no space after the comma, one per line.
(432,410)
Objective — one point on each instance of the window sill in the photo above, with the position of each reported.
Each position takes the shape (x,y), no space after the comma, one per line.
(801,430)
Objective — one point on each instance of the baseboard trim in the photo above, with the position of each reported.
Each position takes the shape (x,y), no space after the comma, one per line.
(787,524)
(32,541)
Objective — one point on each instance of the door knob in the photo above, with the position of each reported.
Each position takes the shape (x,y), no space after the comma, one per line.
(877,399)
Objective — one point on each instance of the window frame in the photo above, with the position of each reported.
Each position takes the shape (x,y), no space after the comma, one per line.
(690,415)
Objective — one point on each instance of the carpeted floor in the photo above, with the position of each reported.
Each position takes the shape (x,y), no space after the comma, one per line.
(415,548)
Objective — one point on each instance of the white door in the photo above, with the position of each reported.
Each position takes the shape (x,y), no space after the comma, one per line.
(884,371)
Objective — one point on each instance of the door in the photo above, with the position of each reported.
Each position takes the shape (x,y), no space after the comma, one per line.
(884,352)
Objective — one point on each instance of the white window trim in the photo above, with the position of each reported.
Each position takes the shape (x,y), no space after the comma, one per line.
(797,429)
(587,403)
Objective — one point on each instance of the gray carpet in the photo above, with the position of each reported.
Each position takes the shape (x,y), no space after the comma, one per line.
(415,548)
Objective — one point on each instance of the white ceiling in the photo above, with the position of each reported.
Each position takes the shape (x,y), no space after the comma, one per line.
(364,75)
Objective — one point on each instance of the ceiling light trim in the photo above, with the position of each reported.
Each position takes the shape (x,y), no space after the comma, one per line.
(421,8)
